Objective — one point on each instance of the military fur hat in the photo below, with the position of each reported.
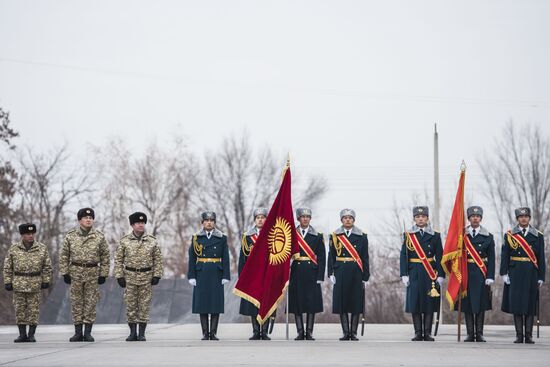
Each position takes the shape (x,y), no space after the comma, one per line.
(27,228)
(137,217)
(523,211)
(474,210)
(421,210)
(303,212)
(346,212)
(260,211)
(208,215)
(85,212)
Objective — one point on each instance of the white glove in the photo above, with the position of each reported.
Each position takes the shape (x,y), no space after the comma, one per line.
(225,281)
(333,279)
(319,282)
(489,281)
(405,280)
(506,279)
(364,284)
(193,282)
(540,283)
(440,281)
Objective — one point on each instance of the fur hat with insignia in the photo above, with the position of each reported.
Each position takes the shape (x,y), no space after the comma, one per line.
(85,212)
(137,217)
(27,228)
(208,215)
(347,212)
(474,210)
(421,210)
(303,212)
(260,211)
(523,211)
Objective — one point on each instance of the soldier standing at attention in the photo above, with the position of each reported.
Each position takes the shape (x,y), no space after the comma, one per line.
(84,263)
(523,268)
(306,276)
(27,270)
(421,272)
(348,269)
(208,272)
(138,267)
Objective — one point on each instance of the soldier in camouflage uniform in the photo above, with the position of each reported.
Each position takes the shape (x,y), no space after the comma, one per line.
(138,266)
(84,263)
(27,270)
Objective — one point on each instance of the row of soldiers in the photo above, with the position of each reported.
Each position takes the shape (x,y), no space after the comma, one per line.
(84,264)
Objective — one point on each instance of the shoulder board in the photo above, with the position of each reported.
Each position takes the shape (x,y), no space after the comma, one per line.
(151,236)
(72,231)
(540,232)
(99,232)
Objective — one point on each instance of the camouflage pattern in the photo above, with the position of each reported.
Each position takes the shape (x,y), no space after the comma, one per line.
(84,248)
(138,254)
(27,307)
(19,260)
(138,302)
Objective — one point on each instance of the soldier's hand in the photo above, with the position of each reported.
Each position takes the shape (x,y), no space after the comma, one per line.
(440,280)
(333,279)
(489,281)
(193,282)
(506,279)
(45,285)
(67,278)
(155,281)
(225,281)
(541,282)
(121,282)
(405,280)
(9,287)
(364,284)
(319,282)
(101,280)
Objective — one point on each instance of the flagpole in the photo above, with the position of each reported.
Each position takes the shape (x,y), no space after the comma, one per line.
(459,311)
(287,303)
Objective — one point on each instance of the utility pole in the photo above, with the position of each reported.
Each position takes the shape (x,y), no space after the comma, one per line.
(436,202)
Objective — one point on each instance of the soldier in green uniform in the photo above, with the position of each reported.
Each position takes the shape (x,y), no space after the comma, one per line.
(247,244)
(208,272)
(138,267)
(27,270)
(523,268)
(84,263)
(348,269)
(306,276)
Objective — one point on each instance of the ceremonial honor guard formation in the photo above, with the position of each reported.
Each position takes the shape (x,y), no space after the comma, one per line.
(284,254)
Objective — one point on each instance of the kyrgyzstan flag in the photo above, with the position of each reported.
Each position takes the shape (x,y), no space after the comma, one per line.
(455,259)
(265,275)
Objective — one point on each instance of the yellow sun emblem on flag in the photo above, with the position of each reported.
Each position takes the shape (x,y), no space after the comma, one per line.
(279,241)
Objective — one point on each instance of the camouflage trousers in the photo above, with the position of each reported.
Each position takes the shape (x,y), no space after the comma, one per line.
(84,299)
(27,307)
(138,302)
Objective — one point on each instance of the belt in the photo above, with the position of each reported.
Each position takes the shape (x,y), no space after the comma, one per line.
(344,259)
(516,258)
(33,274)
(84,265)
(138,270)
(430,259)
(209,260)
(473,261)
(303,258)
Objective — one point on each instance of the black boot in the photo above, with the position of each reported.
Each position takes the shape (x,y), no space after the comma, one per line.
(480,321)
(469,320)
(299,326)
(88,333)
(428,318)
(265,330)
(22,338)
(133,336)
(142,327)
(354,326)
(345,326)
(30,335)
(214,319)
(77,337)
(310,321)
(529,319)
(204,326)
(518,323)
(417,323)
(255,329)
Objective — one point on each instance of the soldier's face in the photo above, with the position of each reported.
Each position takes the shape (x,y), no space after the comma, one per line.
(475,220)
(259,221)
(208,224)
(421,220)
(27,237)
(138,227)
(348,221)
(86,222)
(304,221)
(524,220)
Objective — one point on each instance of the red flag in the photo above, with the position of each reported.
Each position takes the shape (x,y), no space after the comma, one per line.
(455,260)
(265,275)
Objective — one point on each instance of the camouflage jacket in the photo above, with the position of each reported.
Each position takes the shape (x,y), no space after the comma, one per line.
(89,249)
(27,269)
(133,258)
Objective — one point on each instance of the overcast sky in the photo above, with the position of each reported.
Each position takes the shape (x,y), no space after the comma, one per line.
(351,88)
